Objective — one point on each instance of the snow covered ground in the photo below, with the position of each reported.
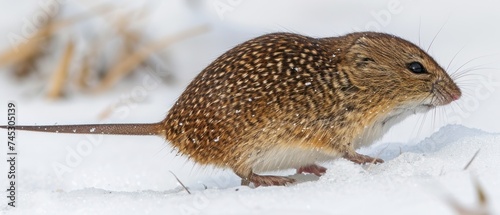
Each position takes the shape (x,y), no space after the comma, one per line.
(425,155)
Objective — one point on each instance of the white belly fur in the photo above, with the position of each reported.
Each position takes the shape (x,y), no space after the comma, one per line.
(279,158)
(286,156)
(382,125)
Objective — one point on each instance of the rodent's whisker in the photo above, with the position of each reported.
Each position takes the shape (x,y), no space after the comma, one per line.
(421,121)
(469,62)
(469,82)
(469,72)
(454,57)
(433,118)
(452,107)
(419,31)
(459,106)
(437,34)
(467,91)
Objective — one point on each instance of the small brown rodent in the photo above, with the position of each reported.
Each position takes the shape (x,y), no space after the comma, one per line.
(285,100)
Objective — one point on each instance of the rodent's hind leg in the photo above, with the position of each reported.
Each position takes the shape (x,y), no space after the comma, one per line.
(313,169)
(265,180)
(361,159)
(270,180)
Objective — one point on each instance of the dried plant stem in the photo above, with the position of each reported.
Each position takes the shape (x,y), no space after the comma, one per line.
(472,159)
(130,62)
(24,50)
(32,45)
(482,208)
(185,188)
(61,73)
(83,74)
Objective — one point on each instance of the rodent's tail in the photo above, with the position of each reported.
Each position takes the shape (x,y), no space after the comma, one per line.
(111,129)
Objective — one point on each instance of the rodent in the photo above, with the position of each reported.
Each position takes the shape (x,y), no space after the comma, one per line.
(285,100)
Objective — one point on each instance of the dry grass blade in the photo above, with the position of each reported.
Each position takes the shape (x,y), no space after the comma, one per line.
(130,62)
(106,113)
(112,107)
(481,195)
(480,209)
(374,161)
(15,55)
(77,18)
(130,40)
(185,188)
(83,75)
(122,26)
(23,51)
(34,50)
(131,37)
(61,73)
(29,49)
(472,159)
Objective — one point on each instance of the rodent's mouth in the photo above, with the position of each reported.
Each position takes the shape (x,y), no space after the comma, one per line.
(444,94)
(430,106)
(402,112)
(421,108)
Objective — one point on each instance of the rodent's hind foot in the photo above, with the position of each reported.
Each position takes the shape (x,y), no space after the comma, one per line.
(312,169)
(266,180)
(362,159)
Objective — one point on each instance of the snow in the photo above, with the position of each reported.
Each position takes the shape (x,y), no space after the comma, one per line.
(424,156)
(417,179)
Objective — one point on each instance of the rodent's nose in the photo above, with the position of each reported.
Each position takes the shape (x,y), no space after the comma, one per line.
(456,94)
(449,92)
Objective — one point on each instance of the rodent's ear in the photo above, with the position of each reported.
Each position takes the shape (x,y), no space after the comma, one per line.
(363,61)
(362,42)
(361,58)
(367,59)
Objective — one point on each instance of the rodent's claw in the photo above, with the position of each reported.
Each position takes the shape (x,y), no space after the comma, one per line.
(312,169)
(362,159)
(269,180)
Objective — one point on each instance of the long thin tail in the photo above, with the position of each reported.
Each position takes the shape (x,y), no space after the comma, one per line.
(111,129)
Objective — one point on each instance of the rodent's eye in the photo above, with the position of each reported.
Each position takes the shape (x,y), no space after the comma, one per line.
(416,68)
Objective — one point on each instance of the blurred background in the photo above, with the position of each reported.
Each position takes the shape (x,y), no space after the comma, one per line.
(76,61)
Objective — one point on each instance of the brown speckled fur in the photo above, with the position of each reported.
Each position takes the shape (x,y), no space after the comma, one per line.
(298,91)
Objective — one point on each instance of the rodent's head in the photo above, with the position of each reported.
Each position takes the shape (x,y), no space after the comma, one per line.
(398,71)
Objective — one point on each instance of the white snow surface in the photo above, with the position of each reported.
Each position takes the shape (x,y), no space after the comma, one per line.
(424,156)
